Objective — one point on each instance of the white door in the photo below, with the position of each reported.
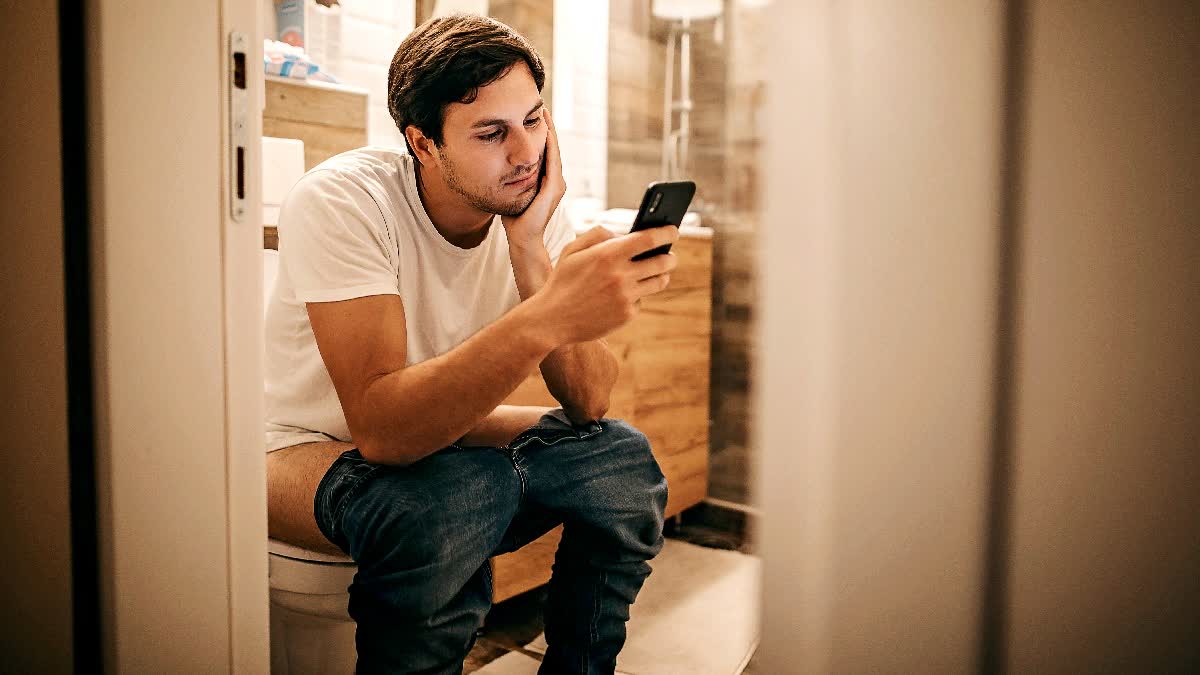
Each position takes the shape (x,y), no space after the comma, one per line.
(176,311)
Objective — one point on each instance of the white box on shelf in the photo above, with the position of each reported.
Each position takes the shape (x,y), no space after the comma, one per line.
(282,166)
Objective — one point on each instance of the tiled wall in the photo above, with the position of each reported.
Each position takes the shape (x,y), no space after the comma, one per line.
(736,223)
(637,81)
(580,98)
(371,31)
(727,90)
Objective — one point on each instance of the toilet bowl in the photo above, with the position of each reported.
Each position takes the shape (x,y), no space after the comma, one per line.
(311,631)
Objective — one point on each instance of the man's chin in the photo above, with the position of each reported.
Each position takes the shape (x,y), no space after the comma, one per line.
(515,209)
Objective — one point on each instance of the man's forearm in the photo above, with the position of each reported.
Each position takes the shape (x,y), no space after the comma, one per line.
(420,409)
(581,375)
(502,425)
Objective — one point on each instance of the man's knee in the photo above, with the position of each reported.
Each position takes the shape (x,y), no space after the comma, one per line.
(634,449)
(643,486)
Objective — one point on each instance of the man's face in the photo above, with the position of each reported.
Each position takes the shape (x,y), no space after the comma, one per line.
(492,148)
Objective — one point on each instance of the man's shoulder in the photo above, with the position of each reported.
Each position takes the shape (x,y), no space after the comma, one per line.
(366,156)
(372,163)
(379,172)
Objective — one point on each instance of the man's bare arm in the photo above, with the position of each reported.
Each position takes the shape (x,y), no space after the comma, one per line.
(398,414)
(502,425)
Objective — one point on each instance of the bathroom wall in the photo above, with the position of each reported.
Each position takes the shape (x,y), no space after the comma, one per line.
(727,94)
(736,220)
(371,31)
(580,99)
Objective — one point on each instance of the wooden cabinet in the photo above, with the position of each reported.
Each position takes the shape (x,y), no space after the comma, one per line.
(662,390)
(329,118)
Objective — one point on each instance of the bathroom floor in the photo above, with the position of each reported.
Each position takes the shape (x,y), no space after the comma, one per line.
(516,622)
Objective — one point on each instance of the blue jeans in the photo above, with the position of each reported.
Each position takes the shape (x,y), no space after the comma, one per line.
(422,536)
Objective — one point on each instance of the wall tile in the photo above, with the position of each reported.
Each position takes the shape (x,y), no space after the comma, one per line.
(376,11)
(367,41)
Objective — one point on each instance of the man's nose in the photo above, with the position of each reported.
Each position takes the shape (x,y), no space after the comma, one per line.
(524,149)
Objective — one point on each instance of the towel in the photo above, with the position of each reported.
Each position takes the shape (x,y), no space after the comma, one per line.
(284,60)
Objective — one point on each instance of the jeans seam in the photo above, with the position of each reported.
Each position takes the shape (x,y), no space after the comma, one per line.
(567,437)
(594,625)
(520,475)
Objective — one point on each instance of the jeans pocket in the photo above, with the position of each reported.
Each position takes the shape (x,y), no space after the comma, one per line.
(555,427)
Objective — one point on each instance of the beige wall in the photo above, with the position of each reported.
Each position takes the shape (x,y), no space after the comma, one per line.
(878,314)
(1106,530)
(36,632)
(880,330)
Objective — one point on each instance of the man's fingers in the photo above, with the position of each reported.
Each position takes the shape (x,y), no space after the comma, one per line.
(652,267)
(588,239)
(645,240)
(553,156)
(653,285)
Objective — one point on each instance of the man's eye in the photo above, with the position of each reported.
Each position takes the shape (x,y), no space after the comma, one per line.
(490,137)
(533,122)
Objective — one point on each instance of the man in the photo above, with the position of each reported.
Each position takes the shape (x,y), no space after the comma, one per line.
(416,291)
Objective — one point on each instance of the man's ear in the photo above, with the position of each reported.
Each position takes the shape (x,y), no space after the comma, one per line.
(422,146)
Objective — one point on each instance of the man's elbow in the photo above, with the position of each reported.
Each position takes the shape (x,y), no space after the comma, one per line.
(391,454)
(587,412)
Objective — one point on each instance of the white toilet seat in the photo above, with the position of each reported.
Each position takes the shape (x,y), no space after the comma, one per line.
(297,553)
(298,570)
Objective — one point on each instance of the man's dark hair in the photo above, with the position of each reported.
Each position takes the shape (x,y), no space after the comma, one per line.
(446,60)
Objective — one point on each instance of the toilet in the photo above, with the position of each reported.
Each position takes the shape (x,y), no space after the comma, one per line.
(311,631)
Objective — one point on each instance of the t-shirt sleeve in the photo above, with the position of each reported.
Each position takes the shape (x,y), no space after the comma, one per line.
(558,234)
(334,241)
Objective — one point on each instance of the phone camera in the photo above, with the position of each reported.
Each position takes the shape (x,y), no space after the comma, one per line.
(655,202)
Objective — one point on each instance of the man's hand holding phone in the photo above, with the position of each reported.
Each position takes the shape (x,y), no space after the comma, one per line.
(596,286)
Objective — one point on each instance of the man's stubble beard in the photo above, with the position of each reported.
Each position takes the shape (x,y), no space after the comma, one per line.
(488,203)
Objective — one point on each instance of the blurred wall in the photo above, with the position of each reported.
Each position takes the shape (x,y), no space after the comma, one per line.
(580,100)
(36,629)
(737,219)
(728,62)
(1105,548)
(875,386)
(982,280)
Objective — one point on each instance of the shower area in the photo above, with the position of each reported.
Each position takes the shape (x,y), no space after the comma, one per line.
(686,83)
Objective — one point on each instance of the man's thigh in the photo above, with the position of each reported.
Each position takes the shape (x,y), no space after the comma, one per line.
(292,478)
(449,509)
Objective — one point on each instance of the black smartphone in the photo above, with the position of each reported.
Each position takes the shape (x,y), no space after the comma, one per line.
(664,203)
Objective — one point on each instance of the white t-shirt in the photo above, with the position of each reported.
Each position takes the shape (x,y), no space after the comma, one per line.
(354,226)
